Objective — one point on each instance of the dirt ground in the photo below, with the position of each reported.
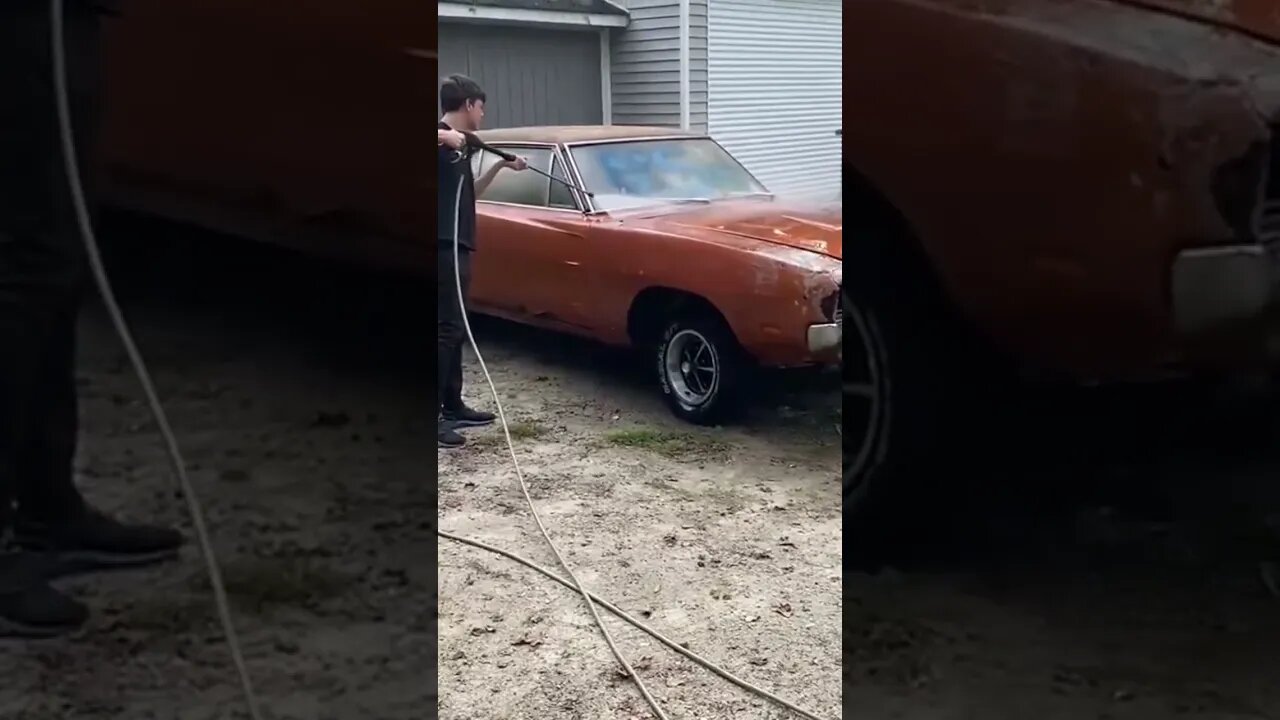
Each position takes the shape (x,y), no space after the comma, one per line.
(727,539)
(303,422)
(300,397)
(1114,565)
(1108,567)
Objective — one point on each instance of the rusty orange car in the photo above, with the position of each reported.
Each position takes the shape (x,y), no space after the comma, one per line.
(1094,194)
(659,240)
(292,125)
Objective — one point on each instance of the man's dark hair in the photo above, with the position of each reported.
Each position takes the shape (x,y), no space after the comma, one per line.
(457,91)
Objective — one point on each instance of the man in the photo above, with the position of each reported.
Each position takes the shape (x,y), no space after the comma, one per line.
(462,101)
(46,527)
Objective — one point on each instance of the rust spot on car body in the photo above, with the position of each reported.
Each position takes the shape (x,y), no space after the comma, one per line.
(1088,142)
(1258,18)
(770,268)
(212,107)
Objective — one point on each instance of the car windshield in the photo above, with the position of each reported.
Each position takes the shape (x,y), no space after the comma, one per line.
(649,172)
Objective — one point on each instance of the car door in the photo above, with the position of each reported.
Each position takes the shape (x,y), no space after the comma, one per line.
(532,244)
(298,122)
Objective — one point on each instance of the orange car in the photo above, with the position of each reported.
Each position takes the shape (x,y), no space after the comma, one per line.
(294,124)
(307,129)
(674,247)
(1089,187)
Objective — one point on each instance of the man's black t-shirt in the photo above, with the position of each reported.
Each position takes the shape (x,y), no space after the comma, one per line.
(452,172)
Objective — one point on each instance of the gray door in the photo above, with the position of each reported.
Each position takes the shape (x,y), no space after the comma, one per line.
(530,76)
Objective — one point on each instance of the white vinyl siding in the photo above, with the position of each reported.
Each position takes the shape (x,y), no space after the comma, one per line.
(645,65)
(775,86)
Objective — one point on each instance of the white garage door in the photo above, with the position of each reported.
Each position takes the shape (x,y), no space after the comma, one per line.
(774,87)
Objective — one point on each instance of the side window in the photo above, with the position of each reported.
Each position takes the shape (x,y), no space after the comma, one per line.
(521,188)
(479,161)
(561,195)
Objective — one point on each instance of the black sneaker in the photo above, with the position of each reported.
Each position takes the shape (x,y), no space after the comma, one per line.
(466,417)
(89,540)
(29,608)
(449,438)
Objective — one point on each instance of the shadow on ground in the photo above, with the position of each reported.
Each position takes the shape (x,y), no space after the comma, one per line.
(1105,553)
(375,321)
(1178,476)
(354,319)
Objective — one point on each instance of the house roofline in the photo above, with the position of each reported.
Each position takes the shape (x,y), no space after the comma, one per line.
(490,14)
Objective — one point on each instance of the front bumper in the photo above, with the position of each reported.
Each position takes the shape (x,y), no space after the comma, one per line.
(826,340)
(1222,287)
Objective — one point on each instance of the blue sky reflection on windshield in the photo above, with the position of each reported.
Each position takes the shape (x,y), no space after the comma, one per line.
(633,174)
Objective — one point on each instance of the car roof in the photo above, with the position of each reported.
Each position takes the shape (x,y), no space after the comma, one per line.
(578,133)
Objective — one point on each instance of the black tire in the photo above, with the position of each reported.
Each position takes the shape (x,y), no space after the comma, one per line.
(706,397)
(898,346)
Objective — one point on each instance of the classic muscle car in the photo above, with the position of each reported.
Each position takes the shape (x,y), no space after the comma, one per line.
(1091,187)
(675,248)
(302,125)
(309,129)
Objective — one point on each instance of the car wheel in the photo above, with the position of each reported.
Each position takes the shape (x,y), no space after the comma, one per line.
(699,366)
(897,344)
(867,419)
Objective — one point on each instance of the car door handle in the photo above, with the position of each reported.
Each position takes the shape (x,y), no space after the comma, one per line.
(421,53)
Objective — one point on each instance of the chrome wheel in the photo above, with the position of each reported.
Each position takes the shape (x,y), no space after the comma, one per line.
(865,427)
(692,366)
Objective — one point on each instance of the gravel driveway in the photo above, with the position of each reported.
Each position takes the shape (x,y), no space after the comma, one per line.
(300,395)
(727,539)
(1108,567)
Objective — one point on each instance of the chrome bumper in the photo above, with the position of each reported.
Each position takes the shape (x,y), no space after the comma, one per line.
(1223,286)
(826,339)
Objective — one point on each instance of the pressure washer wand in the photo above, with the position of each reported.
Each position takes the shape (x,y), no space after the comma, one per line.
(477,143)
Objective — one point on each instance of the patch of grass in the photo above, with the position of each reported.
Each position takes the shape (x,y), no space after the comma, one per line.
(675,445)
(261,585)
(526,430)
(520,430)
(170,613)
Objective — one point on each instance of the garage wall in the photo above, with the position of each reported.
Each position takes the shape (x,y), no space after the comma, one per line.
(776,65)
(698,67)
(646,65)
(531,76)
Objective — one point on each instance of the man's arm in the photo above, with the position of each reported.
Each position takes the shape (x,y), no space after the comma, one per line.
(483,181)
(450,138)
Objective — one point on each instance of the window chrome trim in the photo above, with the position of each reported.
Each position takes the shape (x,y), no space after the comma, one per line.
(588,203)
(555,152)
(639,138)
(593,210)
(543,208)
(581,202)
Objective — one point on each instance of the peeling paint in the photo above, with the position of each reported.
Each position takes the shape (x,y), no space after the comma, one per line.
(1103,136)
(345,143)
(1259,18)
(765,266)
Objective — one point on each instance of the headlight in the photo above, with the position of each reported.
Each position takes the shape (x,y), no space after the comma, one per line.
(1237,187)
(832,310)
(1267,222)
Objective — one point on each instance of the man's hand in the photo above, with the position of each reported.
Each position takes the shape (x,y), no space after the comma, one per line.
(451,138)
(482,183)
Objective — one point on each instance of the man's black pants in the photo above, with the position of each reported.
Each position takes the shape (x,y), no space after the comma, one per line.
(451,333)
(43,269)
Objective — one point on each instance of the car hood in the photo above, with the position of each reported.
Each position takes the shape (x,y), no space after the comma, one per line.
(814,228)
(1228,50)
(1259,18)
